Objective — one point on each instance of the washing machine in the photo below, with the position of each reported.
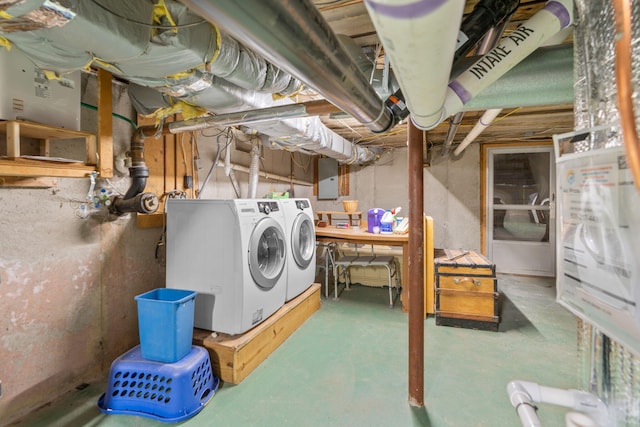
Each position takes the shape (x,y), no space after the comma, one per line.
(301,245)
(233,254)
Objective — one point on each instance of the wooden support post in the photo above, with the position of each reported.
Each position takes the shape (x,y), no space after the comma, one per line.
(13,139)
(105,126)
(45,147)
(416,267)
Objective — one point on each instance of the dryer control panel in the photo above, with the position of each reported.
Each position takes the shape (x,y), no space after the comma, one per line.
(268,207)
(302,204)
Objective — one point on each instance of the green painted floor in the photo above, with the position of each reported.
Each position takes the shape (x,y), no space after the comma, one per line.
(347,366)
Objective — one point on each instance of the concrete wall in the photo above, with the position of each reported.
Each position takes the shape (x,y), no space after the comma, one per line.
(67,284)
(451,194)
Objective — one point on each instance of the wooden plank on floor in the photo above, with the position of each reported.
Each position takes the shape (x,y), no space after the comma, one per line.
(234,357)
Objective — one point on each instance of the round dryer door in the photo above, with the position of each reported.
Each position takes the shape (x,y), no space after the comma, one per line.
(267,253)
(303,240)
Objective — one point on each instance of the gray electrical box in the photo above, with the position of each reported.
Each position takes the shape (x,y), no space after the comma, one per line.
(327,179)
(27,94)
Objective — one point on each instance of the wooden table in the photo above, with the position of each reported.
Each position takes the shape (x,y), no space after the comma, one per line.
(362,236)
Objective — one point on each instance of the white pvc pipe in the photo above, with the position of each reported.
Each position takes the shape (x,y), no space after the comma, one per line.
(254,169)
(484,122)
(269,176)
(555,16)
(228,171)
(523,395)
(420,38)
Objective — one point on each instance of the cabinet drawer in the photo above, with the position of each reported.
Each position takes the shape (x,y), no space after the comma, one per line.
(467,283)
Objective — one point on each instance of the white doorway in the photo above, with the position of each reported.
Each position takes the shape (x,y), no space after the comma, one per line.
(520,210)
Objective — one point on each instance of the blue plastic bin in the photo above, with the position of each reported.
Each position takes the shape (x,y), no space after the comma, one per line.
(168,392)
(165,323)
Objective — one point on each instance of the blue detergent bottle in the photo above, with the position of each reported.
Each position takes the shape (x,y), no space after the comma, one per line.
(386,223)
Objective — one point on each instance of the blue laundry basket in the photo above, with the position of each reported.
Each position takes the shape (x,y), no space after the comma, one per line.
(168,392)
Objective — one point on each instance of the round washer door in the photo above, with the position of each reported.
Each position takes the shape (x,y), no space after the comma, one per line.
(303,240)
(266,253)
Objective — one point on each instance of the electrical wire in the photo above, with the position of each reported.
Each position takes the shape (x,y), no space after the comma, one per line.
(144,24)
(305,168)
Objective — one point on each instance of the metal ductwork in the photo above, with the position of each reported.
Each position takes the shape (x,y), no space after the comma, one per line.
(294,35)
(179,60)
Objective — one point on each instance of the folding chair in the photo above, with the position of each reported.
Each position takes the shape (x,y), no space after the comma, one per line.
(325,262)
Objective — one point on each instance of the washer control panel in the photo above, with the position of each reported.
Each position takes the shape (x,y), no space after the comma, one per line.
(268,207)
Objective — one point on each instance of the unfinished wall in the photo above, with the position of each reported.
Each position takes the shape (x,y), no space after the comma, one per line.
(452,197)
(451,194)
(67,284)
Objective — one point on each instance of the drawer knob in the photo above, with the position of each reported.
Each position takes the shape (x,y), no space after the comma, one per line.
(458,280)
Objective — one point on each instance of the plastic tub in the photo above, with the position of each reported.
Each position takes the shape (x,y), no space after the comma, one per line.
(165,323)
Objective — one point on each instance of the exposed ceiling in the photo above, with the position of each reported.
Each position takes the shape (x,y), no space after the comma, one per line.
(523,124)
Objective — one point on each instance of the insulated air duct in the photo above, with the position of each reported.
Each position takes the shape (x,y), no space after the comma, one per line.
(488,42)
(422,62)
(294,35)
(555,16)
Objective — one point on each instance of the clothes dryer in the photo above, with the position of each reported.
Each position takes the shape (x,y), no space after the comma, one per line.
(233,253)
(301,245)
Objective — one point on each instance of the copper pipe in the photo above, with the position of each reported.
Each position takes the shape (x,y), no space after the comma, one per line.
(622,13)
(416,266)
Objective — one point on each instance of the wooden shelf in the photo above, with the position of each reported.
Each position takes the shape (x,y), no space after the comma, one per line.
(98,151)
(353,216)
(15,165)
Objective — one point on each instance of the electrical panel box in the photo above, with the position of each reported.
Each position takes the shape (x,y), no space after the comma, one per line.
(27,94)
(327,179)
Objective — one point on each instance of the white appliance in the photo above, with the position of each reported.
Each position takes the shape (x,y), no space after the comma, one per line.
(233,254)
(301,243)
(27,94)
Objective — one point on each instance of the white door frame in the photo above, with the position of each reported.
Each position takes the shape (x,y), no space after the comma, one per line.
(519,257)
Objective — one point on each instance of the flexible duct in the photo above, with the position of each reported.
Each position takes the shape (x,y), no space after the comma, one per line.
(434,28)
(555,16)
(294,35)
(249,117)
(523,395)
(293,134)
(169,71)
